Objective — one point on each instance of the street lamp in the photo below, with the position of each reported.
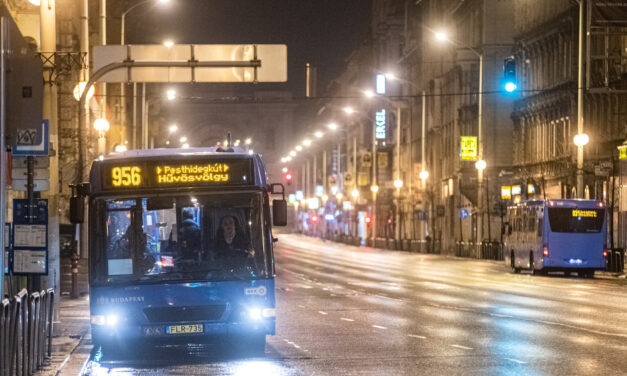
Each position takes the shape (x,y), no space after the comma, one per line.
(183,140)
(102,126)
(173,128)
(299,148)
(79,88)
(319,134)
(355,193)
(424,175)
(332,126)
(480,165)
(349,110)
(398,184)
(369,93)
(580,140)
(171,94)
(168,43)
(307,142)
(442,36)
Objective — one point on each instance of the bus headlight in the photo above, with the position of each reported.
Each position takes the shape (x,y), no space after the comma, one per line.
(255,314)
(268,312)
(112,320)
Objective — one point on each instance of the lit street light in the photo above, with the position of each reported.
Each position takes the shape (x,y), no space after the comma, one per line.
(299,148)
(348,110)
(102,126)
(319,134)
(183,139)
(168,43)
(307,143)
(480,165)
(355,193)
(248,141)
(398,183)
(369,93)
(185,146)
(332,126)
(173,128)
(171,94)
(374,188)
(424,175)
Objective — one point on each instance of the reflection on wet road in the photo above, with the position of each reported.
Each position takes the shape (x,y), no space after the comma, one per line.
(343,310)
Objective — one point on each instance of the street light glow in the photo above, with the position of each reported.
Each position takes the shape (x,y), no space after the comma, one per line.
(120,148)
(374,188)
(480,165)
(289,158)
(581,139)
(349,110)
(307,142)
(390,76)
(284,169)
(424,175)
(79,88)
(185,146)
(101,125)
(171,94)
(168,43)
(248,141)
(339,195)
(319,134)
(332,126)
(293,153)
(183,139)
(173,128)
(299,148)
(355,193)
(398,183)
(369,93)
(35,2)
(441,36)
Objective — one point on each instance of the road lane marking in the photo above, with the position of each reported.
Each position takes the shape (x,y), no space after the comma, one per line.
(379,327)
(347,319)
(322,313)
(416,336)
(462,347)
(516,361)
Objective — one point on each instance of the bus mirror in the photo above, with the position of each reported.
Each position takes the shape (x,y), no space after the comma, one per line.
(279,212)
(77,209)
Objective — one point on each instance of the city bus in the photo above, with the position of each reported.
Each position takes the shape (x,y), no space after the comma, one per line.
(556,235)
(181,246)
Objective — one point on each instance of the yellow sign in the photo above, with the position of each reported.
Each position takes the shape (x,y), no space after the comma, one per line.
(468,148)
(622,152)
(126,176)
(584,213)
(506,192)
(194,173)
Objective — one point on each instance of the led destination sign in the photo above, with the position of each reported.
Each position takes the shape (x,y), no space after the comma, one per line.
(193,173)
(177,173)
(584,213)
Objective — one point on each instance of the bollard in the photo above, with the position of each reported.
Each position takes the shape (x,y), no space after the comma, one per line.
(22,343)
(50,320)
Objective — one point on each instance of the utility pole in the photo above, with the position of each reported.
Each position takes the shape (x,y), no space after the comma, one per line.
(84,77)
(103,40)
(48,30)
(580,190)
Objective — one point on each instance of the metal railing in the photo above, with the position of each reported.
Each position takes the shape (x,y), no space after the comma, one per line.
(615,260)
(489,250)
(26,327)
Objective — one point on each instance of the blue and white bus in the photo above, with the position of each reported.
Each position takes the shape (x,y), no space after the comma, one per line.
(556,235)
(181,246)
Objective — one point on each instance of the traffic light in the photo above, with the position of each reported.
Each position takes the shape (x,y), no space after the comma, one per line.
(314,218)
(288,178)
(509,74)
(368,220)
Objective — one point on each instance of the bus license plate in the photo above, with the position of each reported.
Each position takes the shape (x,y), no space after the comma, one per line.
(184,329)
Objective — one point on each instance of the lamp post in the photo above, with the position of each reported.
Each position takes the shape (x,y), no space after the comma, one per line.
(580,140)
(122,84)
(443,37)
(583,138)
(375,189)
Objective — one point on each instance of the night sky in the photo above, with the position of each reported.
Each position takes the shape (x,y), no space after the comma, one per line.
(323,32)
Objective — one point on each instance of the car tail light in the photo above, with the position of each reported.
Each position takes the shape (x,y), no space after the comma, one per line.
(604,253)
(545,251)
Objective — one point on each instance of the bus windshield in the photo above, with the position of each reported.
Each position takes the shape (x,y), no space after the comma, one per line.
(201,237)
(576,220)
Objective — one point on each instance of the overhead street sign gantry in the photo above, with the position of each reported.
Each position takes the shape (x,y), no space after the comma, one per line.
(181,63)
(193,63)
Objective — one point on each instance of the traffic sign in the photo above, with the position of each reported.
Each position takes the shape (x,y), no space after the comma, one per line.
(39,185)
(468,148)
(30,237)
(32,142)
(272,59)
(622,152)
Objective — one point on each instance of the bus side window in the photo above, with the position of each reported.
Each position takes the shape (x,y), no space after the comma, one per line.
(540,227)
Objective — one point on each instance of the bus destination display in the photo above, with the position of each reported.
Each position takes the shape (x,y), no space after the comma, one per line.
(177,173)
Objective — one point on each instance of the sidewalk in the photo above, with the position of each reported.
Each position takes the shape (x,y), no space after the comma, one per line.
(70,334)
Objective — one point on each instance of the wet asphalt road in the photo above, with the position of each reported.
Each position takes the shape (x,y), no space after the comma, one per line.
(353,311)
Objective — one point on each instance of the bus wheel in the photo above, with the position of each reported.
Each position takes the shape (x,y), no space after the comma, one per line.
(513,264)
(533,270)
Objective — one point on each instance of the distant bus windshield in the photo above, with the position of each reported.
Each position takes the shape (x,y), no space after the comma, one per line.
(576,220)
(187,237)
